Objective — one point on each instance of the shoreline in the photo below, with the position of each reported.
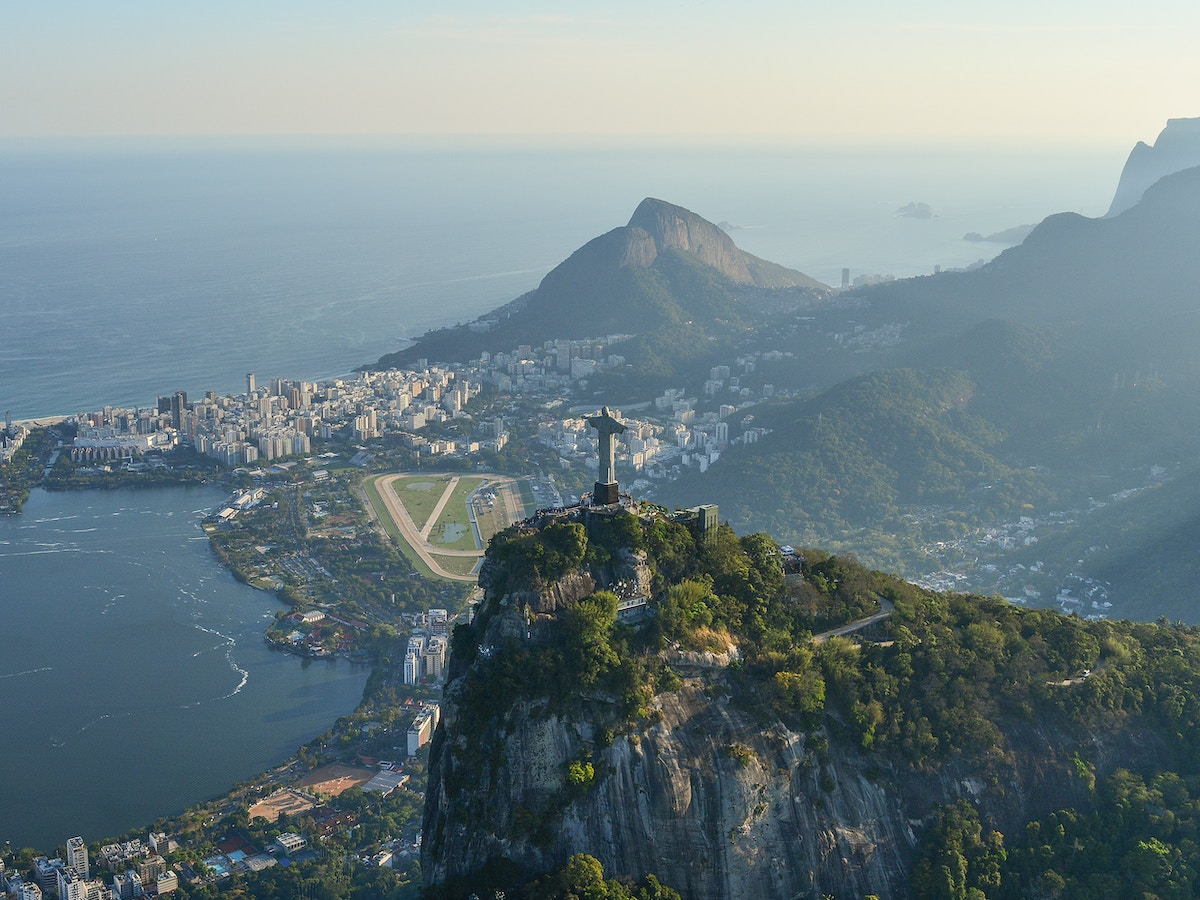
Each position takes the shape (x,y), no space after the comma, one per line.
(43,421)
(289,750)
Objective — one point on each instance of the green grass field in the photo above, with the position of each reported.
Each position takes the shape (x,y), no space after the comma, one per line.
(458,565)
(527,498)
(452,530)
(495,518)
(420,494)
(491,521)
(381,513)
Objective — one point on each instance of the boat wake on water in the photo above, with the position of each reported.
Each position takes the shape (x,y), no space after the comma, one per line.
(27,672)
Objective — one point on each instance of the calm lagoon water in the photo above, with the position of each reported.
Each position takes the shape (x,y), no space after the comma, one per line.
(134,678)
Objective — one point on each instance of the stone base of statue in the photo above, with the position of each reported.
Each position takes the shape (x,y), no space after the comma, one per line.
(605,494)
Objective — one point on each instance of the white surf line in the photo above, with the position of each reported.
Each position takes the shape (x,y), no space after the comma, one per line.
(53,550)
(230,646)
(437,510)
(59,742)
(27,672)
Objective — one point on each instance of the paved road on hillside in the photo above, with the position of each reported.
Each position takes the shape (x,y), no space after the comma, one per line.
(886,610)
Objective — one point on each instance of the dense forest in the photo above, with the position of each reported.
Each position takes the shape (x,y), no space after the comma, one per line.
(944,683)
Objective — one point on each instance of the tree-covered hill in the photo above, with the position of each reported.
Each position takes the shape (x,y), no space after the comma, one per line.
(1144,548)
(1077,347)
(672,279)
(959,746)
(854,464)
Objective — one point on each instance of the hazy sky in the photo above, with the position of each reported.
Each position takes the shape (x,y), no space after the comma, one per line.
(1054,69)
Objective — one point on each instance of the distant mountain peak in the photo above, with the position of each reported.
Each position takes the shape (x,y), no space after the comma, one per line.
(1176,148)
(658,227)
(672,227)
(667,269)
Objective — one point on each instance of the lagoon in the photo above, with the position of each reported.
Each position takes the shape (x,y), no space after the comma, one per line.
(134,677)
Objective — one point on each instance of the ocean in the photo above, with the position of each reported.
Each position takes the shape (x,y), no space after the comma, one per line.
(130,270)
(133,676)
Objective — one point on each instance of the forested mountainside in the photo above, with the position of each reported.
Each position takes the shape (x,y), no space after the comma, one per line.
(1056,380)
(954,745)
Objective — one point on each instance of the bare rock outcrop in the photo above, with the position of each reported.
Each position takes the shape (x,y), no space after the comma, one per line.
(713,801)
(675,228)
(1176,148)
(658,227)
(702,784)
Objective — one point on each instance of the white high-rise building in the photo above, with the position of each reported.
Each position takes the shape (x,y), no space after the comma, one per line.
(70,885)
(77,857)
(433,660)
(412,666)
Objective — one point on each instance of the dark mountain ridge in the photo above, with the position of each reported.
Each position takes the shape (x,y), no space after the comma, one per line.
(1096,273)
(1177,148)
(1078,350)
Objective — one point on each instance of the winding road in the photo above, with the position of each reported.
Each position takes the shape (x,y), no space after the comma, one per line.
(886,609)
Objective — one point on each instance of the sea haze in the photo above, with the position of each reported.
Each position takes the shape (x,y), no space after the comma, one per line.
(134,677)
(132,269)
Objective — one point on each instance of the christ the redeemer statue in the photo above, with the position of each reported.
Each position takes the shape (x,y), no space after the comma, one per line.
(605,491)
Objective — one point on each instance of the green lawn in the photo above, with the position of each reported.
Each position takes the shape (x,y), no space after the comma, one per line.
(527,498)
(420,494)
(491,521)
(458,565)
(381,513)
(453,529)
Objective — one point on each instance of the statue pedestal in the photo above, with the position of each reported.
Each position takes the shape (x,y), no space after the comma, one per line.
(605,494)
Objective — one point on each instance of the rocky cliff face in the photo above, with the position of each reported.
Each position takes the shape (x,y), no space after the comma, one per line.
(666,267)
(675,228)
(710,800)
(657,227)
(715,800)
(1177,148)
(715,803)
